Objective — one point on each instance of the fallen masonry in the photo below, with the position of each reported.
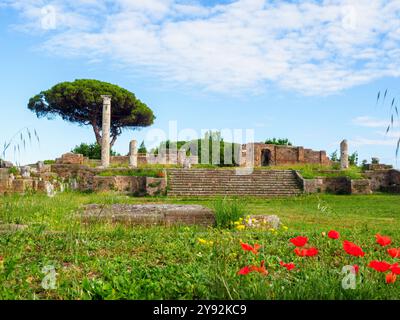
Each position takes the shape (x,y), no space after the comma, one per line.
(149,214)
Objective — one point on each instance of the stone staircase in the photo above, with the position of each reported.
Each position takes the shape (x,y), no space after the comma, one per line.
(212,182)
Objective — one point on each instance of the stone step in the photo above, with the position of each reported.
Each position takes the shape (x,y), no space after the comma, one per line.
(206,182)
(230,175)
(213,181)
(236,191)
(232,179)
(234,194)
(194,185)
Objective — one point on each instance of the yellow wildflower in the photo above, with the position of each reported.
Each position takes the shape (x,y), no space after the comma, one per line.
(240,227)
(202,241)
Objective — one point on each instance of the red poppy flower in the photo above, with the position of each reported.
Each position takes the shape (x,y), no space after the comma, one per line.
(394,253)
(247,247)
(299,241)
(333,234)
(261,269)
(383,240)
(306,252)
(245,270)
(288,266)
(356,269)
(390,278)
(395,268)
(353,249)
(380,266)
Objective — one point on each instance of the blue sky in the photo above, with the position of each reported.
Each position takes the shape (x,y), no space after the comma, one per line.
(308,71)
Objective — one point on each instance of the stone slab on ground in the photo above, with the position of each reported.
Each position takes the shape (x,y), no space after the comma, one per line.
(11,227)
(150,214)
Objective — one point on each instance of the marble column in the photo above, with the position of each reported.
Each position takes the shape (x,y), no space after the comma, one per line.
(344,155)
(133,154)
(181,157)
(105,140)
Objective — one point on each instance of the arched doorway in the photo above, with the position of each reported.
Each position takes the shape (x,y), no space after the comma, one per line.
(265,158)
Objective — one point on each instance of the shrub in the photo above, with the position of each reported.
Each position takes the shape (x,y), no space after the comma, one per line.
(279,142)
(334,156)
(92,151)
(13,170)
(353,158)
(227,211)
(142,148)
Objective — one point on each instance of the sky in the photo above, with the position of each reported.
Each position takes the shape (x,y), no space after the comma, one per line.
(309,71)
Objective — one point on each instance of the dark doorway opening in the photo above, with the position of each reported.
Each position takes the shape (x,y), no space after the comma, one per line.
(266,158)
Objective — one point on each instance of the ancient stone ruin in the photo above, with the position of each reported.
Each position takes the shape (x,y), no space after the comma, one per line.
(149,214)
(262,155)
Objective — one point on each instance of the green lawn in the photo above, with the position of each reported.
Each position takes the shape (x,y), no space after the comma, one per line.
(104,261)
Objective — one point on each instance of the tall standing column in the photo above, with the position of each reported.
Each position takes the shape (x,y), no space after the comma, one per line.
(181,157)
(344,155)
(133,154)
(105,140)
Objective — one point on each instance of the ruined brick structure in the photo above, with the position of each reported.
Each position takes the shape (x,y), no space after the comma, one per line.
(270,155)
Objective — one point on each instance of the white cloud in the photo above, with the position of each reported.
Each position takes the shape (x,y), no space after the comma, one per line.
(358,142)
(366,121)
(314,48)
(391,134)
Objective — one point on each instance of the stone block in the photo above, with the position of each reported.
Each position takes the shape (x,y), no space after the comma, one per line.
(156,186)
(150,214)
(127,184)
(22,185)
(71,158)
(361,186)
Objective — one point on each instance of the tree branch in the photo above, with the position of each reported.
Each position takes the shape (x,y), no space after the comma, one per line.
(96,131)
(114,138)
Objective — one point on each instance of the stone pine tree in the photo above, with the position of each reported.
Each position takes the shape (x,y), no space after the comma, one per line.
(80,102)
(142,148)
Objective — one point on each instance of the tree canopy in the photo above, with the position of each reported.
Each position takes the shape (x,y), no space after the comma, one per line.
(279,142)
(92,151)
(80,102)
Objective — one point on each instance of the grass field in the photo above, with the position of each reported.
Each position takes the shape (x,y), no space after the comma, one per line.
(105,261)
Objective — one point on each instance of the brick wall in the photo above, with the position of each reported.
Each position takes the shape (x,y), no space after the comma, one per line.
(285,155)
(124,184)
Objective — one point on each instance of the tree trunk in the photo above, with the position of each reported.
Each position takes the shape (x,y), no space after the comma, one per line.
(96,130)
(114,138)
(97,133)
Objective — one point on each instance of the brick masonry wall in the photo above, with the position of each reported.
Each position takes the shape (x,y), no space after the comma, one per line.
(330,185)
(124,184)
(379,179)
(337,185)
(285,155)
(361,186)
(384,180)
(71,158)
(88,180)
